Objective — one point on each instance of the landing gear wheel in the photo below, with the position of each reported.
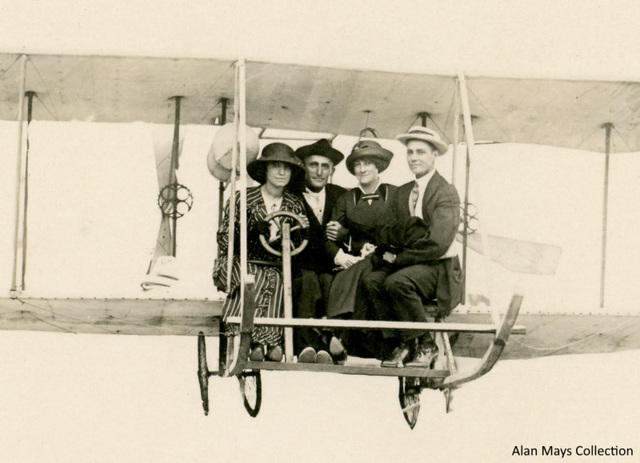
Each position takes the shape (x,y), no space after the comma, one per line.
(300,225)
(409,395)
(251,390)
(203,372)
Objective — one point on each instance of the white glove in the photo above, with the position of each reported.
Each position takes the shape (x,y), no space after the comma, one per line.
(344,260)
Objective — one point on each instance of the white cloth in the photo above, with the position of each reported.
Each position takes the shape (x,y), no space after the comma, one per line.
(374,190)
(316,201)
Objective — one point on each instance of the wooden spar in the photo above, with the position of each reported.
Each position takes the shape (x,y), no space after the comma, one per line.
(242,139)
(29,96)
(465,230)
(173,180)
(456,135)
(19,177)
(232,185)
(468,130)
(605,210)
(221,186)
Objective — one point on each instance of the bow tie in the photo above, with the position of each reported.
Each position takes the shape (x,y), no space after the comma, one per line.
(370,197)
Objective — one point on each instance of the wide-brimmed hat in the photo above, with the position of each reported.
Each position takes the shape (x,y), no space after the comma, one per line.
(320,148)
(422,133)
(371,150)
(219,156)
(276,152)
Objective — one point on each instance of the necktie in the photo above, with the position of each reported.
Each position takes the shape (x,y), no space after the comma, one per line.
(413,199)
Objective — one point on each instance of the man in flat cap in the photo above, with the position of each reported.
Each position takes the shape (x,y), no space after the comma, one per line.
(311,286)
(417,258)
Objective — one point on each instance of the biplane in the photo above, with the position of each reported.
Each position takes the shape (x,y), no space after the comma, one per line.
(286,101)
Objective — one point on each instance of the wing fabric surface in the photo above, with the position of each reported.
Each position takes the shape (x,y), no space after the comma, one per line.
(561,113)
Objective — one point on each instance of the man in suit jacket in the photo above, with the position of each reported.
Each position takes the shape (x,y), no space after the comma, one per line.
(312,283)
(417,259)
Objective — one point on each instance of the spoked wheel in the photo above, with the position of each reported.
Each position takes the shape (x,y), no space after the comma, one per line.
(409,395)
(251,390)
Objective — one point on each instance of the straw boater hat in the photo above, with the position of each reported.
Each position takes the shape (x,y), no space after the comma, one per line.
(320,148)
(422,133)
(276,152)
(369,150)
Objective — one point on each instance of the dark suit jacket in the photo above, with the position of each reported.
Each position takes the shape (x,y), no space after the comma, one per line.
(314,257)
(424,242)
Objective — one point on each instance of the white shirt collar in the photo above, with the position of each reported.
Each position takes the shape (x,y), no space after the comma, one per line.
(374,190)
(424,180)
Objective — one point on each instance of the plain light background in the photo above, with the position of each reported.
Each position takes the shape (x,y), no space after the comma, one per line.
(70,398)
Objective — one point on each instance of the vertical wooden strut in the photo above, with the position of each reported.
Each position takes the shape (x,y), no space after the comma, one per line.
(29,96)
(232,184)
(468,130)
(286,278)
(175,152)
(241,137)
(19,178)
(605,210)
(221,184)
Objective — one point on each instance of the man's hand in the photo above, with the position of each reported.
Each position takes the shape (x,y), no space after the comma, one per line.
(389,257)
(305,221)
(334,230)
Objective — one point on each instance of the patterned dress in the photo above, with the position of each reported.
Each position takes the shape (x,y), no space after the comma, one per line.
(269,284)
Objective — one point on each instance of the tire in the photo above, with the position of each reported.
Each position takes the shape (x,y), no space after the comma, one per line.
(251,390)
(409,395)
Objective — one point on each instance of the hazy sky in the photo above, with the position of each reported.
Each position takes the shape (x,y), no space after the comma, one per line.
(583,39)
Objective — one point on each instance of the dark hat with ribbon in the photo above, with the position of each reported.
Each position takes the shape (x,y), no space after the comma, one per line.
(320,148)
(371,151)
(276,152)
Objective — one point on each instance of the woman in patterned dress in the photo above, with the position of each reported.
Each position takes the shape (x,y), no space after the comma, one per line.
(274,170)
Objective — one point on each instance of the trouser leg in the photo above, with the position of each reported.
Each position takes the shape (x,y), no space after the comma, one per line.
(307,297)
(408,288)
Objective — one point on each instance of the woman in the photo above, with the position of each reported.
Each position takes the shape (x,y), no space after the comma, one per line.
(361,211)
(274,170)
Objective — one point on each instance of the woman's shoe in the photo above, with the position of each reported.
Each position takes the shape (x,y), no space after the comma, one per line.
(257,353)
(275,354)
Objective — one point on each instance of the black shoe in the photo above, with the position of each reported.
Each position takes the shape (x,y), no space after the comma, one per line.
(337,351)
(423,356)
(397,357)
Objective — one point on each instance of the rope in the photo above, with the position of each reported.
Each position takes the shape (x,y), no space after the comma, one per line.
(491,116)
(53,111)
(621,138)
(9,68)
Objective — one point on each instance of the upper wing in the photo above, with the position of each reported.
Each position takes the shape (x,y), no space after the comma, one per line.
(319,99)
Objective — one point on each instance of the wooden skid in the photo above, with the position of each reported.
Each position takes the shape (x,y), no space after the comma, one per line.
(370,370)
(368,324)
